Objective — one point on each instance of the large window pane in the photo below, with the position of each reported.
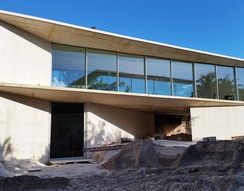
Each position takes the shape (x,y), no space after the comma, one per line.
(182,79)
(205,81)
(226,83)
(240,82)
(101,70)
(68,66)
(158,76)
(131,73)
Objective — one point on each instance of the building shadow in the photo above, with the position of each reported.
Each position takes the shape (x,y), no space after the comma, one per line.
(98,136)
(5,149)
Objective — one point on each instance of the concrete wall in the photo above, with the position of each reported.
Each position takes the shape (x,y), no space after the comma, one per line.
(24,128)
(24,122)
(25,58)
(110,124)
(221,122)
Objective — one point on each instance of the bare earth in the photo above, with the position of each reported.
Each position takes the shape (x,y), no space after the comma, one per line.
(141,165)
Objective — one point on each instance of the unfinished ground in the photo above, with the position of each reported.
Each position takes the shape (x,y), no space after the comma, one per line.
(141,165)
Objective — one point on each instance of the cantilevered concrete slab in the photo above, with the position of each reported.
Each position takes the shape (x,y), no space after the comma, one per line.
(62,33)
(141,102)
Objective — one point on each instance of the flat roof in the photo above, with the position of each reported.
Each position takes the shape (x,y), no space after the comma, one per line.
(141,102)
(58,32)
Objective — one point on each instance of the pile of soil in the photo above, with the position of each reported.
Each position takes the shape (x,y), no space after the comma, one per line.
(143,154)
(215,153)
(140,153)
(140,166)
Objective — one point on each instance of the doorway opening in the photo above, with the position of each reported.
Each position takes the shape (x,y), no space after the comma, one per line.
(173,127)
(67,130)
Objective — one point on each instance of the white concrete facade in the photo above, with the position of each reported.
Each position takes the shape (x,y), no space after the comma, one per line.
(24,121)
(220,122)
(134,124)
(109,124)
(24,127)
(25,58)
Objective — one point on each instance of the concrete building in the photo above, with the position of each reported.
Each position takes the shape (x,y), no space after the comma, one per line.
(65,87)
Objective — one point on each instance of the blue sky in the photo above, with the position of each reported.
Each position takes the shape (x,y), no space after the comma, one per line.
(215,26)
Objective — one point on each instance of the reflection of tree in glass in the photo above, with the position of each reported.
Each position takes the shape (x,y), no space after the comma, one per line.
(241,92)
(98,84)
(206,85)
(95,81)
(226,88)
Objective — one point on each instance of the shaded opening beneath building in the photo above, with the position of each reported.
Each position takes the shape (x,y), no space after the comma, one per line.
(173,127)
(67,130)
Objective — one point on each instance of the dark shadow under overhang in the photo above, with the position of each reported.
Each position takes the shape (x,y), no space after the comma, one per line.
(141,102)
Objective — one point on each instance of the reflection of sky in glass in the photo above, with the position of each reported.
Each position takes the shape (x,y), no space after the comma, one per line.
(102,67)
(107,79)
(63,78)
(101,60)
(68,65)
(158,87)
(131,64)
(182,70)
(133,85)
(127,84)
(184,90)
(182,79)
(68,60)
(203,69)
(138,85)
(224,71)
(158,67)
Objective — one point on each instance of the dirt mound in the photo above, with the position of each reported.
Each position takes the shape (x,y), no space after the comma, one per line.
(212,153)
(136,154)
(144,154)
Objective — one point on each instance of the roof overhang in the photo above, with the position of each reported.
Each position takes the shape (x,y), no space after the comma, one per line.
(141,102)
(63,33)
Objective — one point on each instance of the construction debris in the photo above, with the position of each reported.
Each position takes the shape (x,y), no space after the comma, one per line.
(145,165)
(104,148)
